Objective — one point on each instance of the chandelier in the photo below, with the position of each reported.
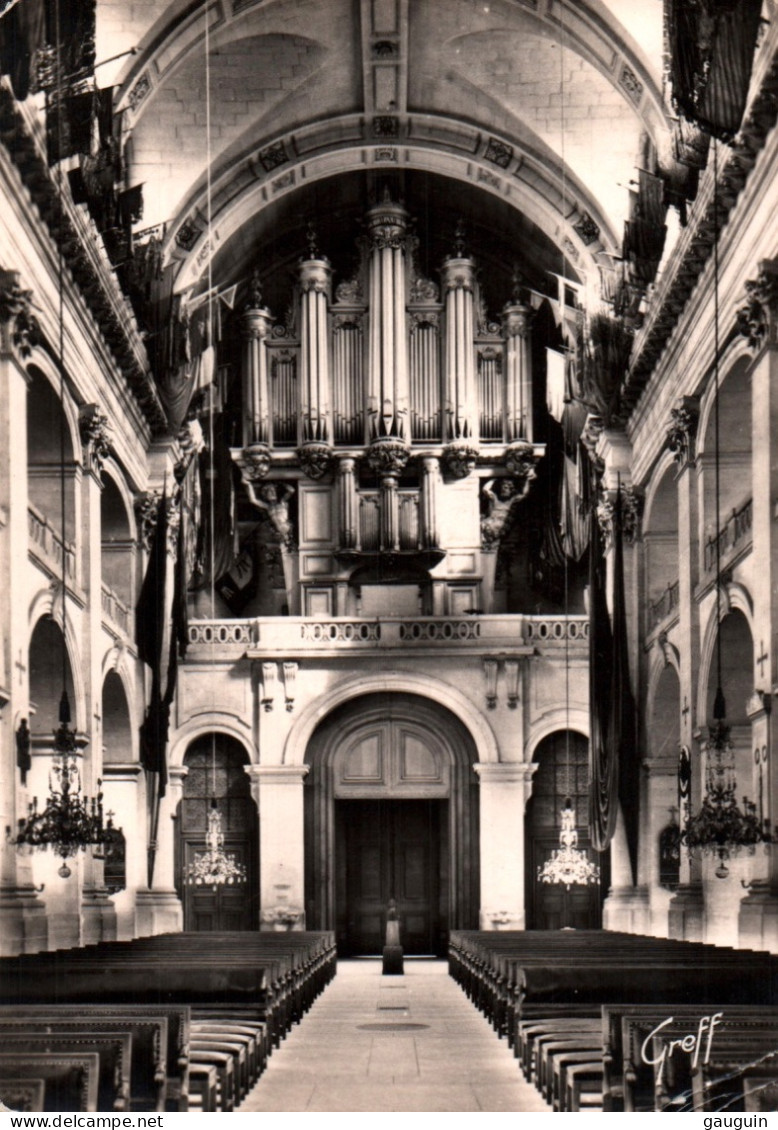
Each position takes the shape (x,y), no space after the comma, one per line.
(215,867)
(568,864)
(70,822)
(722,829)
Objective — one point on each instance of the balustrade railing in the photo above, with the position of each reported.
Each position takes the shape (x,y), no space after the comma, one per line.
(51,546)
(557,629)
(115,610)
(735,531)
(663,605)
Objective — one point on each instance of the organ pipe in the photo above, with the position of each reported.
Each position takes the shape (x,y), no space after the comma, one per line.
(315,427)
(255,324)
(517,319)
(387,398)
(458,276)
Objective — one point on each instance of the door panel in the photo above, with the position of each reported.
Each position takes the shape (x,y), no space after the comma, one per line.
(391,850)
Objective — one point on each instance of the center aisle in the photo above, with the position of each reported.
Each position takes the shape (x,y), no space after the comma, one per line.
(375,1043)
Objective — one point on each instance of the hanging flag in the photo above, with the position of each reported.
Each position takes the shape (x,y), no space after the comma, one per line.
(603,798)
(710,47)
(22,37)
(131,205)
(622,729)
(556,382)
(651,195)
(152,634)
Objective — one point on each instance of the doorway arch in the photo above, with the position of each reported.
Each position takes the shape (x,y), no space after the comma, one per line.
(391,811)
(216,773)
(563,772)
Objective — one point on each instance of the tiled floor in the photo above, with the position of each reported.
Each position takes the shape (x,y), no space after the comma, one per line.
(358,1050)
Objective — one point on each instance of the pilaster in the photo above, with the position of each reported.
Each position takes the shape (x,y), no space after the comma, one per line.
(159,910)
(505,788)
(278,790)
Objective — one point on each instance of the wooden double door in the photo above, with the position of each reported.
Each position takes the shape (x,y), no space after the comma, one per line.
(390,849)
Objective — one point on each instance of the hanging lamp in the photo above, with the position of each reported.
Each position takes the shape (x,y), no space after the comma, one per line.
(568,865)
(213,867)
(69,822)
(721,828)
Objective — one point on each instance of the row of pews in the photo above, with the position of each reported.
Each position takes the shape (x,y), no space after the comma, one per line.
(600,1020)
(169,1022)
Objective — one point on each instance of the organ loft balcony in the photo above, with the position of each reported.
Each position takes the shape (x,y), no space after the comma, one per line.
(298,637)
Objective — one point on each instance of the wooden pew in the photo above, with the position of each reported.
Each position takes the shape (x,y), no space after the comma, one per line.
(113,1049)
(148,1027)
(70,1078)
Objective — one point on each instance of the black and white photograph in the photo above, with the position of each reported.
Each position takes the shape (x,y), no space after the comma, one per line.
(388,525)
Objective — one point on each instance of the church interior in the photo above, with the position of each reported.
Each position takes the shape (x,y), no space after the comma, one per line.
(388,515)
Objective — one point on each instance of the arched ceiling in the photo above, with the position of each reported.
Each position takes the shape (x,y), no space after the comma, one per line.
(526,117)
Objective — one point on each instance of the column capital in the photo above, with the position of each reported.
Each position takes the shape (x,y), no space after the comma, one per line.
(316,276)
(95,436)
(757,318)
(388,225)
(457,273)
(615,450)
(517,320)
(682,429)
(631,513)
(505,772)
(18,325)
(256,322)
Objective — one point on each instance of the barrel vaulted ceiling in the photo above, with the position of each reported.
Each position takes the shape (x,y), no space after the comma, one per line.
(543,107)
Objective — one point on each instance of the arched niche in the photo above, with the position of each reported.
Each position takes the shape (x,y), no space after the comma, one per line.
(216,778)
(660,541)
(730,518)
(117,728)
(117,546)
(50,673)
(562,774)
(50,455)
(391,811)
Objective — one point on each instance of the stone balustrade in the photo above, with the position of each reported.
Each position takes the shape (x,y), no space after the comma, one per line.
(46,544)
(293,635)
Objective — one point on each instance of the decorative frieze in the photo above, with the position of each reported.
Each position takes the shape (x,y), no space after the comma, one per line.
(756,319)
(95,435)
(682,429)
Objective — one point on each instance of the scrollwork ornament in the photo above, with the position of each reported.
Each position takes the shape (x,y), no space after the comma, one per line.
(256,461)
(315,459)
(387,455)
(17,322)
(459,458)
(95,435)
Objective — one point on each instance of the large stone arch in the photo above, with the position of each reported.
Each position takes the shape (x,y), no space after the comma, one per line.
(213,722)
(420,760)
(425,686)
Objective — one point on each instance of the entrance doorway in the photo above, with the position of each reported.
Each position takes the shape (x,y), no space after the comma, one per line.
(391,810)
(216,772)
(563,771)
(389,849)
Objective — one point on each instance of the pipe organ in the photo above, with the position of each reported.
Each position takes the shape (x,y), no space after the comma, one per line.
(391,387)
(390,356)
